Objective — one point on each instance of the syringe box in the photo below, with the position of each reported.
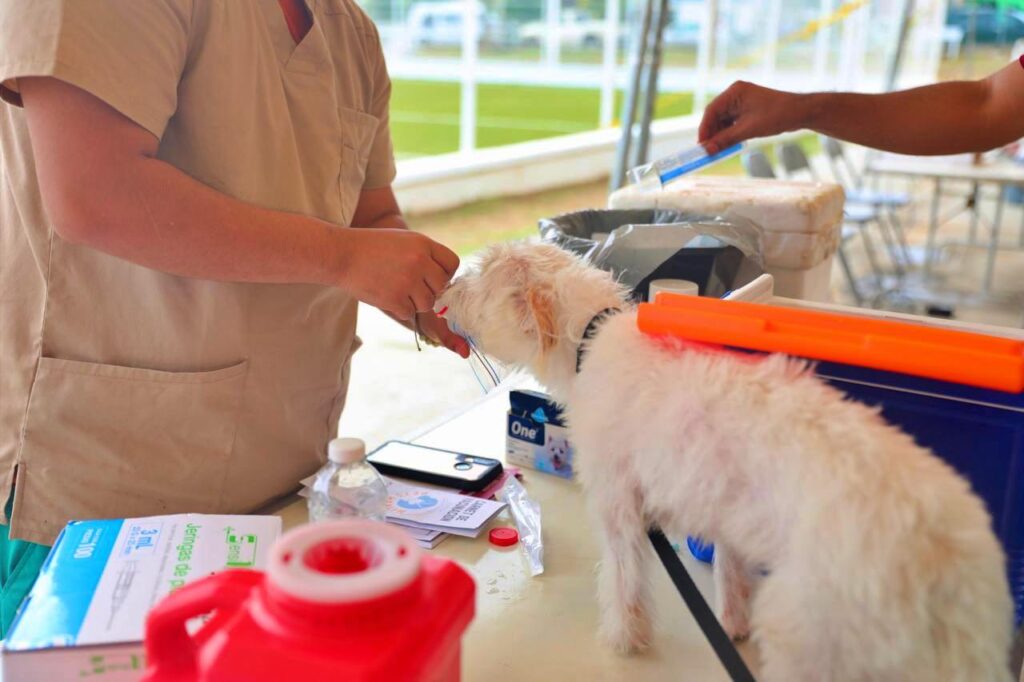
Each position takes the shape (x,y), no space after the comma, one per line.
(85,616)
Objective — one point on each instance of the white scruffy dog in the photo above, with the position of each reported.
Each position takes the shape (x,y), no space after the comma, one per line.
(882,562)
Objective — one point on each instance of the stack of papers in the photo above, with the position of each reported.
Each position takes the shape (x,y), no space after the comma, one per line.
(431,514)
(428,514)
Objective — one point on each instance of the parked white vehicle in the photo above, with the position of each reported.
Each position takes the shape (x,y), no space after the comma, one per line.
(441,23)
(577,29)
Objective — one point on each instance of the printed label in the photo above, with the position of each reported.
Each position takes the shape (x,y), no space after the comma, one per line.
(526,429)
(140,539)
(241,548)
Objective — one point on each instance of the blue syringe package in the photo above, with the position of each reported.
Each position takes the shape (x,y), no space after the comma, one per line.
(536,436)
(86,614)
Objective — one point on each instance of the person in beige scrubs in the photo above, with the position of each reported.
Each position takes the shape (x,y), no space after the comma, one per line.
(195,195)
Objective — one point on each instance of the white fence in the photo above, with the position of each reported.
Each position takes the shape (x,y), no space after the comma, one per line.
(792,44)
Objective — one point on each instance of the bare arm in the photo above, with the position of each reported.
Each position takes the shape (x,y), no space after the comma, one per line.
(944,118)
(378,208)
(103,187)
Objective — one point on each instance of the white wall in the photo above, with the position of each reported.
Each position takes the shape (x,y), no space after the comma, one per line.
(438,182)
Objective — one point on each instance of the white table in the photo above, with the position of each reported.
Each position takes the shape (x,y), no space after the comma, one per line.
(545,628)
(998,171)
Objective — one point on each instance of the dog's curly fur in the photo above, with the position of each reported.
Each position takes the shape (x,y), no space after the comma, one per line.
(882,562)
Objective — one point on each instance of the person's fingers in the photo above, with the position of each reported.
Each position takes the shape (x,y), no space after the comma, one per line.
(452,341)
(422,298)
(722,140)
(740,131)
(446,258)
(712,146)
(437,279)
(711,122)
(720,112)
(402,312)
(407,310)
(436,329)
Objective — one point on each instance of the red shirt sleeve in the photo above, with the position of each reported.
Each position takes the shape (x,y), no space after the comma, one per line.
(1021,60)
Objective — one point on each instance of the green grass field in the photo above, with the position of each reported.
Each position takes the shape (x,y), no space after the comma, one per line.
(425,114)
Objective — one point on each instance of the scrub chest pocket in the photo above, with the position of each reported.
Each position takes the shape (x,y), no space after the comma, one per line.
(359,130)
(85,457)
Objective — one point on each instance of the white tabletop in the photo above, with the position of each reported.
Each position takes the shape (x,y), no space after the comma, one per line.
(545,628)
(992,168)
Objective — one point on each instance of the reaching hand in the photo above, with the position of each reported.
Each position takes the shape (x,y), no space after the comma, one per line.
(745,111)
(398,271)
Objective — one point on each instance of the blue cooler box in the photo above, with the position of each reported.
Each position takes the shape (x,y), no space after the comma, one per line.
(980,432)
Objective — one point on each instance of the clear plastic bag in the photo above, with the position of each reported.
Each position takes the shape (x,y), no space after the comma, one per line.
(526,514)
(719,253)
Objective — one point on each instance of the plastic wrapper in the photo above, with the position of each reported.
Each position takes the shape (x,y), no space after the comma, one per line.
(657,173)
(638,246)
(526,514)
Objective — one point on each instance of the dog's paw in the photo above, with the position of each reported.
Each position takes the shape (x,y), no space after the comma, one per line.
(631,635)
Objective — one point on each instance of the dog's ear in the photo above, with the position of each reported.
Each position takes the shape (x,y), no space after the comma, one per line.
(541,309)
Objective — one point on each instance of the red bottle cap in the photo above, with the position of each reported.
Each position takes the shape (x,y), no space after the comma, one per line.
(504,537)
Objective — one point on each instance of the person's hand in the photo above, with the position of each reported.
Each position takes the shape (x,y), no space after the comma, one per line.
(435,329)
(745,111)
(398,271)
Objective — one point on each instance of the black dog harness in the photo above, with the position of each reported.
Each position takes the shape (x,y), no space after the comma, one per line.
(588,333)
(702,613)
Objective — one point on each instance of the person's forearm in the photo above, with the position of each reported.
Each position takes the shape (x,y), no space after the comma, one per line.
(392,221)
(152,214)
(945,118)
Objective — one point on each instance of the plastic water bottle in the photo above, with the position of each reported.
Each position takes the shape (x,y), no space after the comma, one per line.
(348,485)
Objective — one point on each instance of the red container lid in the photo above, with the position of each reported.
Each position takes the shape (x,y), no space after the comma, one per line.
(503,537)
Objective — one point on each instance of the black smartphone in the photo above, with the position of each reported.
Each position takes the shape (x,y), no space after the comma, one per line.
(432,465)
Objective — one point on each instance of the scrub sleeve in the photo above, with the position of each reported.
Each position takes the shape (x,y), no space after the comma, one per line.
(20,563)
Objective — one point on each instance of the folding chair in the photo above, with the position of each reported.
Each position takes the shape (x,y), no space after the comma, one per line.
(886,203)
(757,164)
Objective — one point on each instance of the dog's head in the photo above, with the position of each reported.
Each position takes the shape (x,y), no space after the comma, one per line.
(527,304)
(557,446)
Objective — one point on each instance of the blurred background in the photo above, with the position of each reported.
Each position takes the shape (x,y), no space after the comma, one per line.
(538,69)
(507,111)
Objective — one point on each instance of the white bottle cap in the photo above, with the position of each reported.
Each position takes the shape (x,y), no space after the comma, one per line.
(346,450)
(676,286)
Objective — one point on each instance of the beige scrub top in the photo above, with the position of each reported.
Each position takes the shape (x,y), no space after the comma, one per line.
(125,391)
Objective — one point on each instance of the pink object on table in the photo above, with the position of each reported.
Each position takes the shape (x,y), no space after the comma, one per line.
(491,490)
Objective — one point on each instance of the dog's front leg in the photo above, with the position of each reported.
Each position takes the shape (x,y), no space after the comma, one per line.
(732,592)
(623,590)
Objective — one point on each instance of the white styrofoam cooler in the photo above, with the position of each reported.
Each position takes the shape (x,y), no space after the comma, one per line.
(802,221)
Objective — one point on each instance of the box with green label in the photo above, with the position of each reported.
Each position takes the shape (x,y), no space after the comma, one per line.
(85,616)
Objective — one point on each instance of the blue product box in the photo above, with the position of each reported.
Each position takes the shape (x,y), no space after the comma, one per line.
(85,616)
(536,436)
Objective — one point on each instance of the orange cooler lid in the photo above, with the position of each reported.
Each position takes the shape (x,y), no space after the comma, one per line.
(919,350)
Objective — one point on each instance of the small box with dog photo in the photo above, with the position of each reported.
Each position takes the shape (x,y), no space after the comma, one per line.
(537,437)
